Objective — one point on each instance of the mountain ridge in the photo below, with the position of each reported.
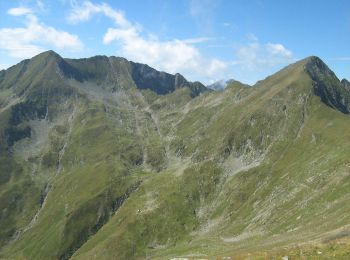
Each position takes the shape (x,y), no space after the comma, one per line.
(144,76)
(104,159)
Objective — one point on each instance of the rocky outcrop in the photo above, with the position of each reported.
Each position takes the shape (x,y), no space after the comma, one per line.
(327,86)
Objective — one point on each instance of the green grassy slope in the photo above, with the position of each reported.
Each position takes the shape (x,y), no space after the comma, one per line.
(125,173)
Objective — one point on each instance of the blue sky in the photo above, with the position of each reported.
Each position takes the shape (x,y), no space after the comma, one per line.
(205,40)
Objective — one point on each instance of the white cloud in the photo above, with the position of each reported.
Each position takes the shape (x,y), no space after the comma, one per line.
(19,11)
(247,55)
(82,13)
(171,56)
(35,37)
(257,56)
(278,49)
(216,66)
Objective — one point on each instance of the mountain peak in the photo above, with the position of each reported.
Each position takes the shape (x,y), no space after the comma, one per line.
(317,68)
(315,65)
(48,54)
(327,86)
(313,59)
(223,83)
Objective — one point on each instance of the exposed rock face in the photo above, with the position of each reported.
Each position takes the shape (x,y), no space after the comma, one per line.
(115,69)
(162,83)
(346,84)
(327,86)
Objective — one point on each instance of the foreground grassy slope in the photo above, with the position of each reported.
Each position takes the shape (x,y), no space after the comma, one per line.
(129,174)
(255,165)
(285,180)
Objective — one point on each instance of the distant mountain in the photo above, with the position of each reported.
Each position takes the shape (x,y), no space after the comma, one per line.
(218,85)
(104,158)
(222,84)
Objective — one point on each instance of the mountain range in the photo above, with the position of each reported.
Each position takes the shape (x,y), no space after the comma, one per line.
(104,158)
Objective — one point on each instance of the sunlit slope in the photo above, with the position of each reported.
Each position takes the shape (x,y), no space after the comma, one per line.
(261,168)
(126,169)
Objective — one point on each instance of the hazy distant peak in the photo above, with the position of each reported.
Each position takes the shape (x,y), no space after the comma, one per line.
(223,83)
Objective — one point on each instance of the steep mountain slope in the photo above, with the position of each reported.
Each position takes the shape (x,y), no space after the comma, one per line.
(327,85)
(346,84)
(57,117)
(103,158)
